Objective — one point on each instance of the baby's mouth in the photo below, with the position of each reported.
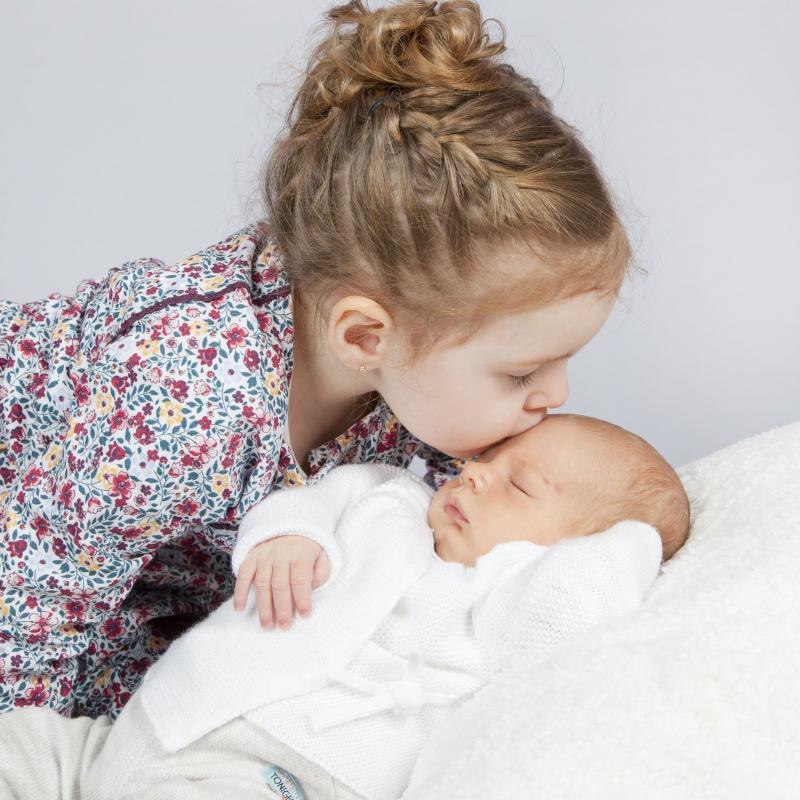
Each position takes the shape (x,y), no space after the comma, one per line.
(453,509)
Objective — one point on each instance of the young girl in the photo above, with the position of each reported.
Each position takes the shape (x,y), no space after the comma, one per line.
(437,244)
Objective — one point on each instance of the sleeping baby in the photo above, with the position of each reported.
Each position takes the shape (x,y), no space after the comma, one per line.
(429,595)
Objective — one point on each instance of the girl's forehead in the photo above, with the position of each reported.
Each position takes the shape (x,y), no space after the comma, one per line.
(545,334)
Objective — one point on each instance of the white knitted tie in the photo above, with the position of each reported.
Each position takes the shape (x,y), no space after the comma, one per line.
(405,696)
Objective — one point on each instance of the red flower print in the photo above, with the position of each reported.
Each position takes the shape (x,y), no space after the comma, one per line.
(251,360)
(121,486)
(27,348)
(187,508)
(144,435)
(112,628)
(37,384)
(40,628)
(15,413)
(115,452)
(32,477)
(117,419)
(235,336)
(39,524)
(65,495)
(35,696)
(202,449)
(82,392)
(179,390)
(207,356)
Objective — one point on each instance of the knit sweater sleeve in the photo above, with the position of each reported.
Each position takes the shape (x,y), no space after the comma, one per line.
(576,584)
(313,510)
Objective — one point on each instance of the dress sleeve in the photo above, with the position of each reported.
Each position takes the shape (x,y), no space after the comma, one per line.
(312,510)
(440,467)
(154,444)
(576,584)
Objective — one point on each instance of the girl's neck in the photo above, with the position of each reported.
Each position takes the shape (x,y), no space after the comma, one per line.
(325,396)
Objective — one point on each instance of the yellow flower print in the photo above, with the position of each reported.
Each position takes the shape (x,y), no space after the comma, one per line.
(293,478)
(198,327)
(101,681)
(106,474)
(104,403)
(87,562)
(52,457)
(219,483)
(42,680)
(272,383)
(171,413)
(60,331)
(147,348)
(68,629)
(149,528)
(212,283)
(5,609)
(156,642)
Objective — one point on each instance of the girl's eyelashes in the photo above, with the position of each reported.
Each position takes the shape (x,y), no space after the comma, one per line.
(523,380)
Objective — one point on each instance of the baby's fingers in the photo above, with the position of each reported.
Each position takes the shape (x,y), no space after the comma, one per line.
(301,587)
(282,594)
(263,584)
(247,570)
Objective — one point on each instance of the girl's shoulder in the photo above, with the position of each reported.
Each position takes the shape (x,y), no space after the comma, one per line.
(244,268)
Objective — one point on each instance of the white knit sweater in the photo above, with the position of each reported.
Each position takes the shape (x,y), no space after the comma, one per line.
(395,636)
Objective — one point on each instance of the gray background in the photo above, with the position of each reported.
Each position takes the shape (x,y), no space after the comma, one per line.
(135,130)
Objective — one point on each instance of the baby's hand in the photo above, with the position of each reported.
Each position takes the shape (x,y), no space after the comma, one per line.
(284,570)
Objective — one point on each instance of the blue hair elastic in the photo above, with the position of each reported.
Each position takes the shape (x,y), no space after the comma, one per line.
(394,94)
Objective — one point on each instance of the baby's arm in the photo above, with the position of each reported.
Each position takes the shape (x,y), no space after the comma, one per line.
(576,584)
(285,544)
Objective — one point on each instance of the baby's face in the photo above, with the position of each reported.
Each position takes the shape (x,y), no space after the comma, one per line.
(533,486)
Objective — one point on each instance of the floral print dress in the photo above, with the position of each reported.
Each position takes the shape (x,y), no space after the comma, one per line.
(140,419)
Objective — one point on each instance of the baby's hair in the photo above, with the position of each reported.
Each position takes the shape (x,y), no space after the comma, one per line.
(464,158)
(650,489)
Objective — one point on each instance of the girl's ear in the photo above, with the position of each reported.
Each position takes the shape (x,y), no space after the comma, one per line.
(360,331)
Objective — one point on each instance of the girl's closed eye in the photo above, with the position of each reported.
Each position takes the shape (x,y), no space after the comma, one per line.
(524,380)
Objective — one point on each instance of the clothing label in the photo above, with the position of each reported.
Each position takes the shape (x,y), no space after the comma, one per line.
(283,783)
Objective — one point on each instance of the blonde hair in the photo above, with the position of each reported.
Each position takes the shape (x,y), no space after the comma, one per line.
(466,156)
(641,485)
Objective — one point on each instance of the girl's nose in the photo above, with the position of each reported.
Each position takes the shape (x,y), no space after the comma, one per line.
(551,390)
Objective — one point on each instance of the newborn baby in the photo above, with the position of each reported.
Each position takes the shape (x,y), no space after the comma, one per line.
(429,595)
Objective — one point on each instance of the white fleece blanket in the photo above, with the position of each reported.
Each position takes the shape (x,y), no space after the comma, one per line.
(693,696)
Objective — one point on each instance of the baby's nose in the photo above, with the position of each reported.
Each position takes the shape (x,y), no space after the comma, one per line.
(475,476)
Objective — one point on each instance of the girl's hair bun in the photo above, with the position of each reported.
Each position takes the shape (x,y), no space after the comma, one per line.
(463,158)
(409,44)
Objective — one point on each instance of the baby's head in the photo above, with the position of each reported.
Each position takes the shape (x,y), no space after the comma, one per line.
(568,476)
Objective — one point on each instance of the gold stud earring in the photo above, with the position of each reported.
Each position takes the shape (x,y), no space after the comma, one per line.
(362,368)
